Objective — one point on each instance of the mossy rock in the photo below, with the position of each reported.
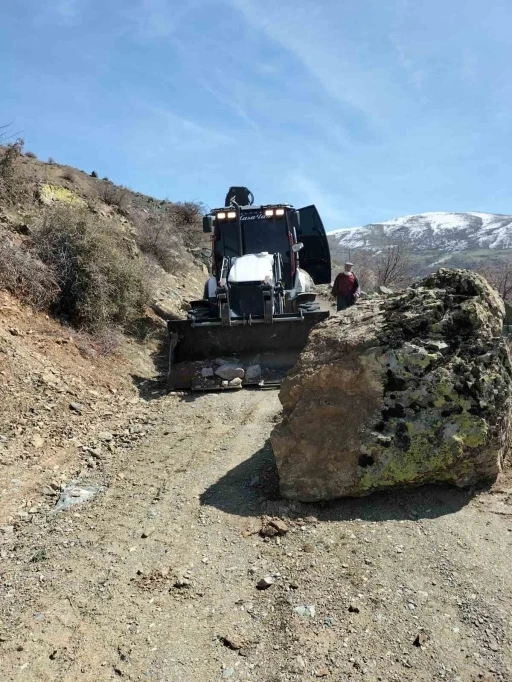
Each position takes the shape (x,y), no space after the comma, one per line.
(49,194)
(399,391)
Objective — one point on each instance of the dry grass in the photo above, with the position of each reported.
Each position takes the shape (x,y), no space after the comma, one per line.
(31,155)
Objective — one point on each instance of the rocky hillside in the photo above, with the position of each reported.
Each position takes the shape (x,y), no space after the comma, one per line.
(454,239)
(165,235)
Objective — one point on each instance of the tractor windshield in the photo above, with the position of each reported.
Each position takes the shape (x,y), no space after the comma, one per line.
(271,235)
(266,235)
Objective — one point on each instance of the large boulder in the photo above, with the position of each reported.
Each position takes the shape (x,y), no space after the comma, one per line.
(399,391)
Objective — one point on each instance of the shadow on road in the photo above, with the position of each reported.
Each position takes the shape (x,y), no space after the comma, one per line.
(154,387)
(252,489)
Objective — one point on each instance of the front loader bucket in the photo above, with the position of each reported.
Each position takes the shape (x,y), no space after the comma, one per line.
(273,348)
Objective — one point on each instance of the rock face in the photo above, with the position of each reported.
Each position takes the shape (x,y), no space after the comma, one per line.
(399,391)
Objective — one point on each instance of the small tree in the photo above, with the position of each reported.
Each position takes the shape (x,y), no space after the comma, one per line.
(499,276)
(390,266)
(393,264)
(11,185)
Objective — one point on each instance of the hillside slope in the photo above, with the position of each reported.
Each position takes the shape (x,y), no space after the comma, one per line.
(167,234)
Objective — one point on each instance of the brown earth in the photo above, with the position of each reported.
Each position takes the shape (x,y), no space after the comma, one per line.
(156,578)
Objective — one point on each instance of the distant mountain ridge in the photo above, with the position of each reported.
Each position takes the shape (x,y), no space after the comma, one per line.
(434,231)
(451,239)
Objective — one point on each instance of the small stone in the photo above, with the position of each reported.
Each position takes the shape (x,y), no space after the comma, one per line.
(226,361)
(253,373)
(271,527)
(308,548)
(305,611)
(420,639)
(76,407)
(146,533)
(265,583)
(207,372)
(105,436)
(233,641)
(229,372)
(235,383)
(182,583)
(299,666)
(321,672)
(227,672)
(294,585)
(37,441)
(493,644)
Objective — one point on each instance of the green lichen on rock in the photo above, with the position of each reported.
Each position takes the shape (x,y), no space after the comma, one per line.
(49,194)
(419,383)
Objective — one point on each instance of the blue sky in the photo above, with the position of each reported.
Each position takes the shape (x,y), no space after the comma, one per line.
(371,109)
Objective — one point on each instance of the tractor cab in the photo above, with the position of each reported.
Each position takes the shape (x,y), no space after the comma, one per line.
(298,236)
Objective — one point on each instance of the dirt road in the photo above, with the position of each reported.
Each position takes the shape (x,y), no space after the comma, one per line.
(156,578)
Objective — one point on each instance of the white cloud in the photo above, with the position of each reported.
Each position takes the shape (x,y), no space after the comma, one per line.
(307,30)
(158,19)
(156,130)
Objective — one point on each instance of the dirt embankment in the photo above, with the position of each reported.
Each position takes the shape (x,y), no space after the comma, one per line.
(157,576)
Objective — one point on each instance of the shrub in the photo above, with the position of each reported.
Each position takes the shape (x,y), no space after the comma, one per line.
(31,155)
(13,186)
(162,233)
(100,284)
(51,161)
(114,196)
(68,174)
(94,174)
(157,237)
(25,276)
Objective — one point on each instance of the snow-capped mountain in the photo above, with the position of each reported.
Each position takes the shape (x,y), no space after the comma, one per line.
(447,232)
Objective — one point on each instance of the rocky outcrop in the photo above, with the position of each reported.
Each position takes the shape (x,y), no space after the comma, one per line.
(399,391)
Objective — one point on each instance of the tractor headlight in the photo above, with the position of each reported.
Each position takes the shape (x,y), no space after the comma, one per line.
(269,212)
(221,216)
(231,214)
(280,212)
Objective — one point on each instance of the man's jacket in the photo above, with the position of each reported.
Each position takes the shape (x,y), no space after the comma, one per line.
(345,284)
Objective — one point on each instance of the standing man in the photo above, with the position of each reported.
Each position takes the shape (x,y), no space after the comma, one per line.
(346,288)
